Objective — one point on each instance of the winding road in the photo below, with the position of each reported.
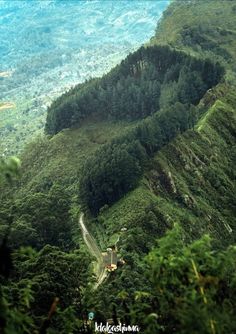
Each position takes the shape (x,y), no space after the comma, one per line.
(94,250)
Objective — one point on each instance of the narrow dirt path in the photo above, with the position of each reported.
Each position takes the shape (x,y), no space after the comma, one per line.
(94,251)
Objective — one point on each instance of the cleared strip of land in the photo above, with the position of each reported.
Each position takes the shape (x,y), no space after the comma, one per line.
(7,105)
(94,251)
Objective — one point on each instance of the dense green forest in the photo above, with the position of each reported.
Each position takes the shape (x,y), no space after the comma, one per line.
(147,152)
(117,167)
(145,81)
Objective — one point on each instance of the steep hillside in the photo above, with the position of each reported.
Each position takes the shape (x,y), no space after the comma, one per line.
(209,31)
(191,181)
(147,80)
(180,179)
(59,159)
(150,144)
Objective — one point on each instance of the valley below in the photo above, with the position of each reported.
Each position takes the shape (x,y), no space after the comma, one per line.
(51,47)
(119,208)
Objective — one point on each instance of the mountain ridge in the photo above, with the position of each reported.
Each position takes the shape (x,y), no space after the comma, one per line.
(186,176)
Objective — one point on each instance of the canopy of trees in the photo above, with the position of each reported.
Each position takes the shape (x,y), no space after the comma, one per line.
(147,79)
(191,288)
(116,168)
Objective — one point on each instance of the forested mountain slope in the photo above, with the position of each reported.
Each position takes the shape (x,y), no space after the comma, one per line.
(154,147)
(209,32)
(190,181)
(147,80)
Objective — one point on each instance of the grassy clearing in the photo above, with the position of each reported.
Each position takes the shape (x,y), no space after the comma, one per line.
(59,158)
(204,120)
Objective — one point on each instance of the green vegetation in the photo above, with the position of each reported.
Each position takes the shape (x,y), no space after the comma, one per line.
(133,89)
(115,168)
(189,181)
(18,123)
(211,35)
(191,288)
(35,284)
(9,168)
(157,180)
(31,281)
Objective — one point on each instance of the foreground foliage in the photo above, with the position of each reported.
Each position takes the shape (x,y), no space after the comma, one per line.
(192,288)
(143,179)
(37,285)
(116,167)
(34,285)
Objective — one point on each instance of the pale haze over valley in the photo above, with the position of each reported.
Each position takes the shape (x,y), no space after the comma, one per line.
(49,46)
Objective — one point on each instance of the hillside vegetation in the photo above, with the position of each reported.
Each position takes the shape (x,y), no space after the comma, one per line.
(148,153)
(146,80)
(47,49)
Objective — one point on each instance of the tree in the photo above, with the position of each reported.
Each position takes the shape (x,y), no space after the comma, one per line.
(192,288)
(132,89)
(9,168)
(50,220)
